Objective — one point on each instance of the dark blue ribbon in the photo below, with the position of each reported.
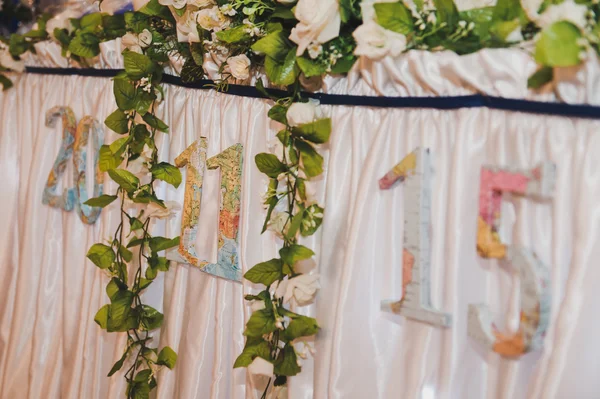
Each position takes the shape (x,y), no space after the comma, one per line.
(445,103)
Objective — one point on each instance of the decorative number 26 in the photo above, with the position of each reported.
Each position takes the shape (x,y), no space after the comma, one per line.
(74,142)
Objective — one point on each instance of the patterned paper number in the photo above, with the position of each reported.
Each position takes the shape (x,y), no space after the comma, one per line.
(415,171)
(66,201)
(87,213)
(74,142)
(230,164)
(533,274)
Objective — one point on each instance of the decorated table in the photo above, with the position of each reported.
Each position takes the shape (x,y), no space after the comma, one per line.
(211,212)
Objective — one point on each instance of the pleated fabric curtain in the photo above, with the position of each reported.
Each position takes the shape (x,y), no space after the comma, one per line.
(50,346)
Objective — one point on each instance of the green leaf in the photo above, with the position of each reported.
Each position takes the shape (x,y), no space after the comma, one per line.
(101,255)
(167,357)
(154,122)
(107,159)
(143,375)
(282,73)
(266,272)
(316,132)
(294,253)
(395,17)
(191,72)
(139,390)
(255,347)
(137,65)
(154,8)
(482,18)
(151,273)
(269,164)
(90,21)
(125,253)
(311,160)
(143,101)
(557,45)
(159,262)
(502,29)
(114,286)
(79,46)
(6,82)
(101,201)
(344,64)
(233,35)
(446,12)
(119,310)
(101,317)
(117,122)
(508,10)
(540,77)
(301,326)
(311,67)
(150,318)
(117,366)
(125,179)
(295,224)
(272,203)
(261,322)
(124,92)
(283,13)
(278,113)
(287,362)
(161,243)
(167,172)
(274,45)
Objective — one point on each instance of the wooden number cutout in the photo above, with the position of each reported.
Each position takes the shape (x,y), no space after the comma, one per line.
(230,164)
(534,275)
(66,200)
(74,143)
(415,173)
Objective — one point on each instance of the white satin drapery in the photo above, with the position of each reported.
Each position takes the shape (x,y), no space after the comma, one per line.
(51,348)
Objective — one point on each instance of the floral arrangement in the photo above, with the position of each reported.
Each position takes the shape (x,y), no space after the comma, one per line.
(294,43)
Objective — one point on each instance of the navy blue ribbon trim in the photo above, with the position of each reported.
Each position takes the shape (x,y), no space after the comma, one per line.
(444,103)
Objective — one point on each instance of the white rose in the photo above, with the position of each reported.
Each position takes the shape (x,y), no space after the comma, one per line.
(565,11)
(319,22)
(187,30)
(260,366)
(7,61)
(375,42)
(239,66)
(212,19)
(156,211)
(300,113)
(130,41)
(145,38)
(302,288)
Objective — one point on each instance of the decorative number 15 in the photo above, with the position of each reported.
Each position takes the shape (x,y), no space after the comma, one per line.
(230,164)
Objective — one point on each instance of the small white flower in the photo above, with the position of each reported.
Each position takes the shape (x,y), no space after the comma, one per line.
(314,50)
(375,42)
(301,288)
(301,113)
(228,9)
(566,11)
(279,323)
(156,211)
(145,38)
(239,66)
(319,22)
(431,18)
(462,24)
(260,366)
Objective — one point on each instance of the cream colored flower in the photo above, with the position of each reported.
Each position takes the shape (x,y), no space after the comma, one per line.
(212,19)
(302,289)
(179,4)
(277,223)
(201,3)
(319,22)
(239,66)
(187,29)
(135,42)
(566,11)
(61,21)
(156,211)
(300,113)
(260,366)
(375,42)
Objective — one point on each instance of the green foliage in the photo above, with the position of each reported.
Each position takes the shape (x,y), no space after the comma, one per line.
(265,273)
(557,45)
(395,17)
(167,172)
(540,77)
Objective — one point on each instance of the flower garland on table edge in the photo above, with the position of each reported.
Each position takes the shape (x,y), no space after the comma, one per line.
(295,43)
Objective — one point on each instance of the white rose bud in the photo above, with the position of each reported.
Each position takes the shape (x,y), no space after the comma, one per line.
(302,289)
(375,42)
(300,113)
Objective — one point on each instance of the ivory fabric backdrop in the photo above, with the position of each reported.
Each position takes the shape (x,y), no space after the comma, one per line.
(51,348)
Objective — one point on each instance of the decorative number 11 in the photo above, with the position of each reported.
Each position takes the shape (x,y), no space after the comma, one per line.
(230,163)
